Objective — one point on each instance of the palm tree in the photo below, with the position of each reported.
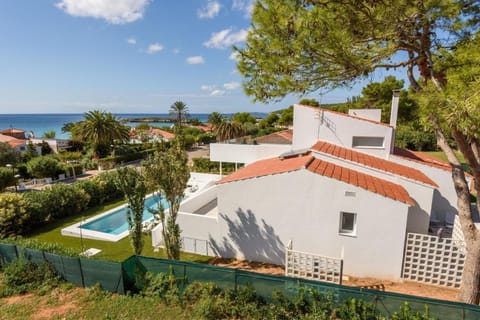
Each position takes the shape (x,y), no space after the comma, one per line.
(227,130)
(215,118)
(179,111)
(101,129)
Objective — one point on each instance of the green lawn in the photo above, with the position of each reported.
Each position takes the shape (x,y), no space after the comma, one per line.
(113,251)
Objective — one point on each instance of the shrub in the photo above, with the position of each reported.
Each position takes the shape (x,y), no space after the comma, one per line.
(6,178)
(13,215)
(22,276)
(55,248)
(65,200)
(44,167)
(161,285)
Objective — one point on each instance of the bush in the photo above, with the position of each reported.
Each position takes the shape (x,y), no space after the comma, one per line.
(207,166)
(6,178)
(55,248)
(161,285)
(44,167)
(22,276)
(64,200)
(14,218)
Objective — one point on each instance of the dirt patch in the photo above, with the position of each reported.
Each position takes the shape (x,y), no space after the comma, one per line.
(64,304)
(17,299)
(405,287)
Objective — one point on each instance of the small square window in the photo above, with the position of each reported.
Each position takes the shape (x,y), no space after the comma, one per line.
(348,223)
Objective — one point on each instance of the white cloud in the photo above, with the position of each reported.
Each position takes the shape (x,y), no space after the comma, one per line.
(231,85)
(216,93)
(195,60)
(132,40)
(244,5)
(209,10)
(234,56)
(116,11)
(154,48)
(226,38)
(206,87)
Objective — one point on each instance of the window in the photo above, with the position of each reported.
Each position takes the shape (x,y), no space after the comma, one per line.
(367,142)
(348,223)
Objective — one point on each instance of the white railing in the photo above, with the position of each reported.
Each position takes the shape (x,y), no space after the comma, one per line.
(312,266)
(433,260)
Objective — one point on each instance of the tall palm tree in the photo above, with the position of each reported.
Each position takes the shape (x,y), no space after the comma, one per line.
(227,130)
(215,118)
(101,129)
(179,111)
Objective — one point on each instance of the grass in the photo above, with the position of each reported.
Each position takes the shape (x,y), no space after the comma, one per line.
(71,303)
(112,251)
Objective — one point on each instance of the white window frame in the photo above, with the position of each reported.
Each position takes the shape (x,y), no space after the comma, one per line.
(347,232)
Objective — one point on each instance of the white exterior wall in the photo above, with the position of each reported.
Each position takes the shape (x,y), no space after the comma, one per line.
(371,114)
(245,153)
(257,218)
(444,206)
(311,125)
(421,193)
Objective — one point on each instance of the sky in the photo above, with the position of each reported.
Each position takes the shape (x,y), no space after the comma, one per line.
(128,56)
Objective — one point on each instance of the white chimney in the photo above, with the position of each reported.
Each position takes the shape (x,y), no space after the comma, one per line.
(393,117)
(394,109)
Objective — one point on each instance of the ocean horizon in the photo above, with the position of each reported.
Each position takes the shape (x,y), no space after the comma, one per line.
(39,123)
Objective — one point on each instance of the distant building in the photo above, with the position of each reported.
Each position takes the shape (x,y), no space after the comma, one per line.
(18,144)
(15,133)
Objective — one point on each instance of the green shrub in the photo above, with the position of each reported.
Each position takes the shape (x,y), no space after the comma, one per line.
(55,248)
(6,178)
(44,167)
(161,285)
(22,276)
(65,200)
(14,218)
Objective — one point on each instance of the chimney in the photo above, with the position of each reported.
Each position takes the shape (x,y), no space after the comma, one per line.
(393,117)
(394,109)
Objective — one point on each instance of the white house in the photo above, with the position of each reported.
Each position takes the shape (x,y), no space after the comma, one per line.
(339,189)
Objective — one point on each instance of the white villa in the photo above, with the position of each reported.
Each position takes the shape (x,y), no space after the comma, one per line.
(340,189)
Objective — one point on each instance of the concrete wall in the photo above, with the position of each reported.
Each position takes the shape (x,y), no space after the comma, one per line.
(194,203)
(370,114)
(421,193)
(245,153)
(444,204)
(313,124)
(257,218)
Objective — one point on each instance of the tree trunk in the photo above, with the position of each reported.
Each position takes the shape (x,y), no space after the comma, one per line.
(469,290)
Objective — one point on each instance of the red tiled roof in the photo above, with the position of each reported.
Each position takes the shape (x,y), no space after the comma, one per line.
(205,127)
(12,130)
(376,185)
(163,133)
(348,115)
(372,162)
(267,167)
(279,137)
(13,142)
(324,168)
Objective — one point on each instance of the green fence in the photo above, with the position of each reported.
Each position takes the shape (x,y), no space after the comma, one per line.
(387,303)
(79,271)
(120,277)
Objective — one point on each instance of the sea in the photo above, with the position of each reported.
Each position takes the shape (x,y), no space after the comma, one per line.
(41,123)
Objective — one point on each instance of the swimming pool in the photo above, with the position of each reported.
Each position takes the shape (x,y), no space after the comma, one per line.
(111,225)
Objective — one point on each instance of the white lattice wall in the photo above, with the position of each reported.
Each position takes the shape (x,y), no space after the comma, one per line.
(433,260)
(311,266)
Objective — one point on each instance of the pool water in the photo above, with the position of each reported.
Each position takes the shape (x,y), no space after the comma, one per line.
(116,223)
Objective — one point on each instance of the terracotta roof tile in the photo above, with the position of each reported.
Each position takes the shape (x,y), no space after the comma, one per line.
(373,162)
(163,133)
(279,137)
(268,167)
(13,142)
(385,188)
